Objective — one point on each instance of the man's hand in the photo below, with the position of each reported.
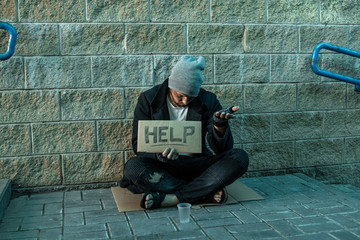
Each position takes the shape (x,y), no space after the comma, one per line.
(221,118)
(170,153)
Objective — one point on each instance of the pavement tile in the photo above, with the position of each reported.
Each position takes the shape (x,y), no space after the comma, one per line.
(49,196)
(321,196)
(76,203)
(148,237)
(219,233)
(38,206)
(302,198)
(219,222)
(338,194)
(105,212)
(86,235)
(252,205)
(316,236)
(355,194)
(309,220)
(193,234)
(18,201)
(109,204)
(129,238)
(356,231)
(222,208)
(53,208)
(285,201)
(132,216)
(251,227)
(278,215)
(305,178)
(24,211)
(165,212)
(42,222)
(268,191)
(212,215)
(322,227)
(293,187)
(32,234)
(246,217)
(303,211)
(84,228)
(74,219)
(142,227)
(10,224)
(191,225)
(267,234)
(119,229)
(43,200)
(352,202)
(354,216)
(336,210)
(347,188)
(82,208)
(268,207)
(105,193)
(345,235)
(72,196)
(345,221)
(324,204)
(51,234)
(104,219)
(285,228)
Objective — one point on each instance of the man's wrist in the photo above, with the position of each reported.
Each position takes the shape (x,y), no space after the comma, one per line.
(220,130)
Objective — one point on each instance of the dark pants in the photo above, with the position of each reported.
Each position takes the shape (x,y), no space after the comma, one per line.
(191,179)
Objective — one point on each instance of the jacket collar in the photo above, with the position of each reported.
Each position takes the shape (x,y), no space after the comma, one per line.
(195,110)
(160,110)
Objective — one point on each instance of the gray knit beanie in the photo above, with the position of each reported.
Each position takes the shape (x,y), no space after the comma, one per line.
(186,75)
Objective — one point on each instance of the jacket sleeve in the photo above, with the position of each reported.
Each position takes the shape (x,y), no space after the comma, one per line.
(142,112)
(216,143)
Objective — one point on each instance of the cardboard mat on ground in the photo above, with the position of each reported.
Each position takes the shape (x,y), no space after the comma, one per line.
(237,192)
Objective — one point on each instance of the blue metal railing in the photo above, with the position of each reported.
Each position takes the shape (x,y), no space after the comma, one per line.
(12,40)
(336,76)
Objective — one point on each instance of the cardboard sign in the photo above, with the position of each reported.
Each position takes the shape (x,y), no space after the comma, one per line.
(155,136)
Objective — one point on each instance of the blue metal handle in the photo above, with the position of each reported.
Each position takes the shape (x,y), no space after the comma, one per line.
(12,40)
(336,76)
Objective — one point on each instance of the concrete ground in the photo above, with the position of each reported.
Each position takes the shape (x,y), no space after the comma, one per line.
(295,207)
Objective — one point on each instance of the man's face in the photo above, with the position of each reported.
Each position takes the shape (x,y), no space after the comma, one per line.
(179,99)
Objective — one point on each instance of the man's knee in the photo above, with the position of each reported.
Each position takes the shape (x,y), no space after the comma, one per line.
(240,158)
(133,168)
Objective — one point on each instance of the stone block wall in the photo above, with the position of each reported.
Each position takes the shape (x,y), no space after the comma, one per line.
(67,95)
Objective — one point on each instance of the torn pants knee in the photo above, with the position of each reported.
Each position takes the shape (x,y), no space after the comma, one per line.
(146,176)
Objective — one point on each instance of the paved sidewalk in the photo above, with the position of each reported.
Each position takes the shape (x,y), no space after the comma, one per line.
(295,207)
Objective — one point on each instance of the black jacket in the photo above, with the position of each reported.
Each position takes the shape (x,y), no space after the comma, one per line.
(152,106)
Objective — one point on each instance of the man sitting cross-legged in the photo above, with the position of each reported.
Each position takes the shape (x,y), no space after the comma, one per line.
(169,177)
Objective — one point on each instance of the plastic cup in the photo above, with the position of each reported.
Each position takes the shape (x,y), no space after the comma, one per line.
(184,212)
